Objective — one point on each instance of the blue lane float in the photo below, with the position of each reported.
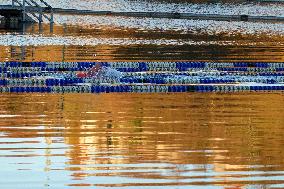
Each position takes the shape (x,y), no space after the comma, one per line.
(146,66)
(141,89)
(142,77)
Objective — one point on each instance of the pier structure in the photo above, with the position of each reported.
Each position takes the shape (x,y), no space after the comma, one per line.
(27,11)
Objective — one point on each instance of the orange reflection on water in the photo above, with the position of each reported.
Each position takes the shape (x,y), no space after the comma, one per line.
(184,139)
(118,44)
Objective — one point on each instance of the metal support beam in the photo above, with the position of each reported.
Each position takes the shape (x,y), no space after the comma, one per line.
(39,10)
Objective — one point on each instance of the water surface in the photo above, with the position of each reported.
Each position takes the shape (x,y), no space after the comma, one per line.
(100,38)
(138,140)
(125,39)
(194,140)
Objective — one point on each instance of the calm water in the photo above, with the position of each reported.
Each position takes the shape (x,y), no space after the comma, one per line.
(99,38)
(138,140)
(144,39)
(144,140)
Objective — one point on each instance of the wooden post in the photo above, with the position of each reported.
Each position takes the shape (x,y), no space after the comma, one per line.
(51,16)
(40,17)
(40,14)
(51,21)
(24,10)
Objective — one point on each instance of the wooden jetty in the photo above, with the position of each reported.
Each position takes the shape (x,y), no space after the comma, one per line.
(32,11)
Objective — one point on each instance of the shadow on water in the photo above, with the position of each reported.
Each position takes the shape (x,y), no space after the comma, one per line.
(22,28)
(10,25)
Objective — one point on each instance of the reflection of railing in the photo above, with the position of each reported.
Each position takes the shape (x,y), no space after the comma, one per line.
(35,9)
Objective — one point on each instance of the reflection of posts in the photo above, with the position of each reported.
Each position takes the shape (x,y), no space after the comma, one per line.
(23,28)
(23,52)
(11,22)
(63,53)
(40,28)
(51,27)
(7,22)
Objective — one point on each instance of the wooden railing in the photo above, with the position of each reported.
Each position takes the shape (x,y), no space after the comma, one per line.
(37,10)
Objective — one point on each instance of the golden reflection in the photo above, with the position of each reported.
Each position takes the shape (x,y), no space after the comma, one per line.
(226,47)
(215,133)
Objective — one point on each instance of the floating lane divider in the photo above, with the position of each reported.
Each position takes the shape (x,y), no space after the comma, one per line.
(142,77)
(143,66)
(40,67)
(143,89)
(158,79)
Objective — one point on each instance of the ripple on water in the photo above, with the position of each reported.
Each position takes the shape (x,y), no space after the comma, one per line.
(119,140)
(138,140)
(157,39)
